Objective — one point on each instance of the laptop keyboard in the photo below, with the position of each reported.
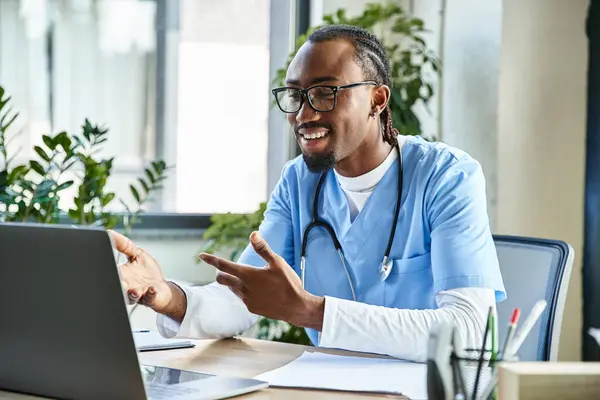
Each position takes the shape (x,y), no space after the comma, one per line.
(159,392)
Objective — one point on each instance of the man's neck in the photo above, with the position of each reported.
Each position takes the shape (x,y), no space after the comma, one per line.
(366,158)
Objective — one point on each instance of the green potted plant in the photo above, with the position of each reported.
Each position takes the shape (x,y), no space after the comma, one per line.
(31,191)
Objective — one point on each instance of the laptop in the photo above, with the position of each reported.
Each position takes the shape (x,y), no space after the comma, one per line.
(64,325)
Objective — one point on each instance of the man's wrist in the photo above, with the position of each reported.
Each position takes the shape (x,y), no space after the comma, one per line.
(311,313)
(177,306)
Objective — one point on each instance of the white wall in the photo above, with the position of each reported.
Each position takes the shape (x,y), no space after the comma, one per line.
(512,94)
(541,133)
(469,90)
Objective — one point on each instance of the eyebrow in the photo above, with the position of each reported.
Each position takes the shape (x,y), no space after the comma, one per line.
(320,79)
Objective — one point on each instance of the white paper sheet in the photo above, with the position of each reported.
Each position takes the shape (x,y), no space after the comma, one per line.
(147,341)
(356,374)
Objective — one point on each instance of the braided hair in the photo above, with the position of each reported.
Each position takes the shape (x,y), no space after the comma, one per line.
(371,57)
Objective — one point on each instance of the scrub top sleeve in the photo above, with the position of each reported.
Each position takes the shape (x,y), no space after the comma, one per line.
(276,226)
(463,253)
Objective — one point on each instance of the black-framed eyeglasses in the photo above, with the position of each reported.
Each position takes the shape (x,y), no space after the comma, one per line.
(322,98)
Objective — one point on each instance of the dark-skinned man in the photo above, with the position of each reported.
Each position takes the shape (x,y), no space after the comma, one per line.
(369,238)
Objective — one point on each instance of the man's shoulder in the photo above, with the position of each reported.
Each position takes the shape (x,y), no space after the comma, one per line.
(434,158)
(434,152)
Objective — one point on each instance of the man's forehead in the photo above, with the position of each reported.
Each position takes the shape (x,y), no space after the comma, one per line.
(327,61)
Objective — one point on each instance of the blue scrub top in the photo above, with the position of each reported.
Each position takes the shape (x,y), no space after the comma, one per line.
(442,240)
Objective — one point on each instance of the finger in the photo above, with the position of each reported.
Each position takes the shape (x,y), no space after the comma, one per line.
(124,245)
(133,296)
(262,248)
(230,281)
(224,265)
(149,297)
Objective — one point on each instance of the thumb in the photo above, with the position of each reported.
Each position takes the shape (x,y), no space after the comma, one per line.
(262,248)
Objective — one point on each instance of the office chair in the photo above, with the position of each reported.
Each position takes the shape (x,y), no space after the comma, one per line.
(534,269)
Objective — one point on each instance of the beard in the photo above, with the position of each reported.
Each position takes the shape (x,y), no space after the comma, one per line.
(319,163)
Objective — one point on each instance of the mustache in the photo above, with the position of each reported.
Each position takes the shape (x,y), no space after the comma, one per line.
(308,125)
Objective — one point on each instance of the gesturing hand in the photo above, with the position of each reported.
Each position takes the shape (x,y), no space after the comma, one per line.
(274,291)
(141,276)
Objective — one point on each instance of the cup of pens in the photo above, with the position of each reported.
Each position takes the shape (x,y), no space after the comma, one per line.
(473,371)
(474,374)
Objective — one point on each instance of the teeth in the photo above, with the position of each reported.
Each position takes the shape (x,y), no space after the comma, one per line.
(316,135)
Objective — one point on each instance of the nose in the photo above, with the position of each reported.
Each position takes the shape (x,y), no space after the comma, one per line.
(307,113)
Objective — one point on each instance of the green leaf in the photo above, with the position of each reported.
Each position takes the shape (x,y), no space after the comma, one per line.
(43,191)
(37,167)
(41,153)
(341,15)
(135,193)
(6,199)
(64,140)
(74,215)
(48,141)
(144,185)
(4,179)
(151,177)
(17,173)
(107,199)
(159,166)
(64,185)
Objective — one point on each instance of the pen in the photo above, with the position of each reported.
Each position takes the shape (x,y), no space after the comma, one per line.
(480,363)
(493,328)
(531,319)
(142,331)
(512,326)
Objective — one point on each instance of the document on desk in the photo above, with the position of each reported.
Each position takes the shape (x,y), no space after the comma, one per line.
(349,373)
(149,340)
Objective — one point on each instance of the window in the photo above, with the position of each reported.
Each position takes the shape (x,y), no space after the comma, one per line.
(198,96)
(65,61)
(223,107)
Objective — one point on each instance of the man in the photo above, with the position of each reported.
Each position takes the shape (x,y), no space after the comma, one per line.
(441,264)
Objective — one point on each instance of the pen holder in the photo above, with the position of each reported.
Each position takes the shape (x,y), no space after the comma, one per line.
(474,374)
(455,372)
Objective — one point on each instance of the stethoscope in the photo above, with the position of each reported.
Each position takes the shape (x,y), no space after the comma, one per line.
(386,265)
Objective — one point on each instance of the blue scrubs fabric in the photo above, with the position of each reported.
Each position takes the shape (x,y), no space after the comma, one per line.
(442,239)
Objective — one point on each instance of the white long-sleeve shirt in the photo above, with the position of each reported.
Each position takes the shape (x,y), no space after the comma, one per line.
(215,312)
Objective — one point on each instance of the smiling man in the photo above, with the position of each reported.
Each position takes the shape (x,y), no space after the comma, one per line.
(370,237)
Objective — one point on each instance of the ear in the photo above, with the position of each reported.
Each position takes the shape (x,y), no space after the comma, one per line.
(380,99)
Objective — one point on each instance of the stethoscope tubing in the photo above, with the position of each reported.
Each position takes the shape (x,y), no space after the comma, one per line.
(317,221)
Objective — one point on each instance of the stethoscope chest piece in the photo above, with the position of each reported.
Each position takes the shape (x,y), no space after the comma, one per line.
(385,269)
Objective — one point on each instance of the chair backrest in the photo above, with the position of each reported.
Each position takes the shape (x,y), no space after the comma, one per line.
(534,269)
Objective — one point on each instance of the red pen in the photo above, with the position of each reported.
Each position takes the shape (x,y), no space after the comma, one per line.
(512,326)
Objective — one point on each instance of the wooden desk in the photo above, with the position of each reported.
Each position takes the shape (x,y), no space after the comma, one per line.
(242,358)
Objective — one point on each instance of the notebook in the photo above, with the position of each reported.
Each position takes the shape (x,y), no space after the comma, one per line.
(150,340)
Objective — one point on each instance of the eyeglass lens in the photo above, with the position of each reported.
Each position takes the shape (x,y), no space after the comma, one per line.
(321,98)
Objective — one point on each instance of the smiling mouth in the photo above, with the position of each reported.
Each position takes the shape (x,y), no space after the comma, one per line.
(315,135)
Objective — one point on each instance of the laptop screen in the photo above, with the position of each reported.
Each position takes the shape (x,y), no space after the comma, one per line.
(169,376)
